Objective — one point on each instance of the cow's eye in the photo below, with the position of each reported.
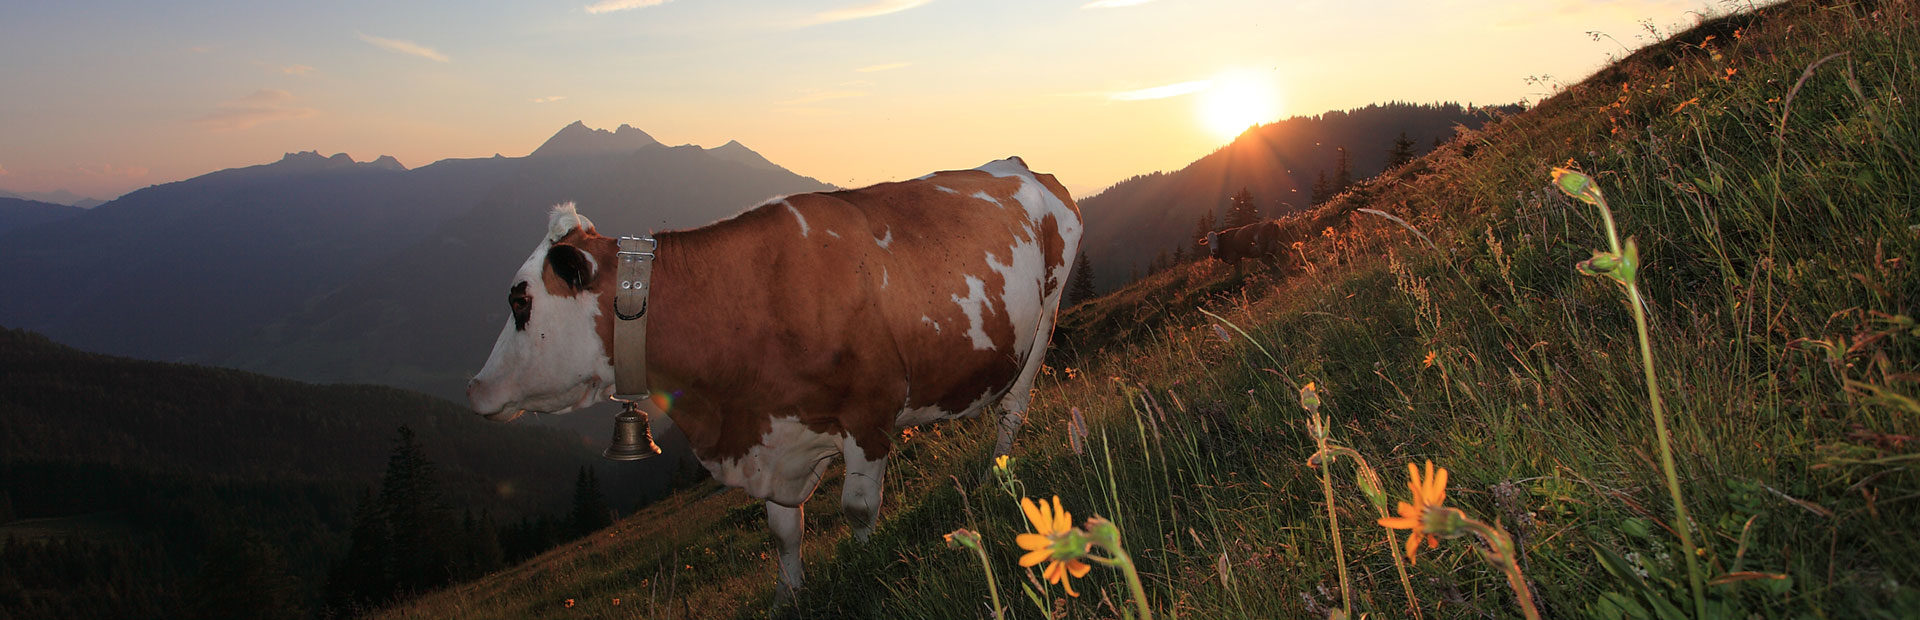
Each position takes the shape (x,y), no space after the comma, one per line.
(522,305)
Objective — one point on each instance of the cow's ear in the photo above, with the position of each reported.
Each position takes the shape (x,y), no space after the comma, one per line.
(571,264)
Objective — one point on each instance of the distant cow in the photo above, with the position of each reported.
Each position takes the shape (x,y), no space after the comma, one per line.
(811,325)
(1260,241)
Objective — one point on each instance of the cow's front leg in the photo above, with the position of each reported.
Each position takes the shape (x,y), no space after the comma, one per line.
(787,523)
(860,495)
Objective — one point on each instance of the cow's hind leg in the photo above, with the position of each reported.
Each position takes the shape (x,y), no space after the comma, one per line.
(787,523)
(1013,406)
(860,495)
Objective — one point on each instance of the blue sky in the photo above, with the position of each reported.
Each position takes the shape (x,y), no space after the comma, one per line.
(106,97)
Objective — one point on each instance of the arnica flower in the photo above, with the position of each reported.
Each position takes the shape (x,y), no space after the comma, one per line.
(1003,462)
(1428,493)
(1055,543)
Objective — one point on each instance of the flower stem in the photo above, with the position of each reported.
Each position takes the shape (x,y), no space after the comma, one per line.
(1684,523)
(993,591)
(1133,581)
(1333,521)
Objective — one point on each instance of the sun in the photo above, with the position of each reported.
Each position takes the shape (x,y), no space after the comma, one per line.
(1238,100)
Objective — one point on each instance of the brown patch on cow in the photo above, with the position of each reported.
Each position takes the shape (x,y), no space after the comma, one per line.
(604,252)
(749,321)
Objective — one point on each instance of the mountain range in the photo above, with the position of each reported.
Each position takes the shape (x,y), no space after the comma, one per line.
(60,197)
(325,269)
(1129,223)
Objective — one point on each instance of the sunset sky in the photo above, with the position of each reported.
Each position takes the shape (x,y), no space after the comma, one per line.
(107,97)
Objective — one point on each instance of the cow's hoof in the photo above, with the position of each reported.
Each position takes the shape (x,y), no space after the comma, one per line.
(862,534)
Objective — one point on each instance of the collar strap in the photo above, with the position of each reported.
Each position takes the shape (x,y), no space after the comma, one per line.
(630,318)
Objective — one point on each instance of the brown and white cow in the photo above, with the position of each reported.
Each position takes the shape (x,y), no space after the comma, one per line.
(810,325)
(1262,241)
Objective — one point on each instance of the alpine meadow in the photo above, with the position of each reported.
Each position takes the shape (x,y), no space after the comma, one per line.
(1643,346)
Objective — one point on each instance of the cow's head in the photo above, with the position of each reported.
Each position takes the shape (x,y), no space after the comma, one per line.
(552,355)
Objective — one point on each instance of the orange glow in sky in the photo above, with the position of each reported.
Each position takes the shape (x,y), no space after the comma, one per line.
(851,92)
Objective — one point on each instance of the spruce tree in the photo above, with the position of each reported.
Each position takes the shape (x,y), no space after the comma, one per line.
(1342,172)
(590,512)
(1080,286)
(1401,153)
(1322,188)
(1242,210)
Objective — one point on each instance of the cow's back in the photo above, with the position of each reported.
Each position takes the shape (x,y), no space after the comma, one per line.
(969,262)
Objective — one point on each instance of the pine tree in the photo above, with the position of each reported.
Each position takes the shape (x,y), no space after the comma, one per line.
(1342,172)
(590,512)
(1401,153)
(1322,188)
(1080,286)
(1200,230)
(403,540)
(360,580)
(1180,254)
(1242,210)
(418,518)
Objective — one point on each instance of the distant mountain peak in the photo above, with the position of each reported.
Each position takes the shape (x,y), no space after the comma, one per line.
(387,162)
(736,152)
(579,139)
(313,160)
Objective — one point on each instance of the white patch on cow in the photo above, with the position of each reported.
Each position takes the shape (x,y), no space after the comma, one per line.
(984,196)
(833,234)
(883,277)
(784,467)
(885,240)
(1020,300)
(797,216)
(929,320)
(1031,195)
(975,306)
(945,189)
(915,416)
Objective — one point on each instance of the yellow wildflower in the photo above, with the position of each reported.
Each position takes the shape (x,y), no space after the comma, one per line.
(1053,524)
(1428,493)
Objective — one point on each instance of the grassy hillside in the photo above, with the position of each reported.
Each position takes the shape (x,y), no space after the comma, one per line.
(1764,162)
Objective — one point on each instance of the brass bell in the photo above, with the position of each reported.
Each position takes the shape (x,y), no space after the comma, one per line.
(632,440)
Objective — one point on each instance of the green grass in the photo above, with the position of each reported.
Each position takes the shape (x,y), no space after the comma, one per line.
(1778,266)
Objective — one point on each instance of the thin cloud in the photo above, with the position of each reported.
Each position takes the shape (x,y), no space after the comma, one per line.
(200,49)
(1112,4)
(263,106)
(296,69)
(405,47)
(824,95)
(609,6)
(875,9)
(548,99)
(1162,92)
(886,67)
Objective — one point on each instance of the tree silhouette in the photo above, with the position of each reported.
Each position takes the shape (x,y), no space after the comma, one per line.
(1242,210)
(1402,151)
(590,512)
(1342,172)
(1080,285)
(1322,188)
(403,540)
